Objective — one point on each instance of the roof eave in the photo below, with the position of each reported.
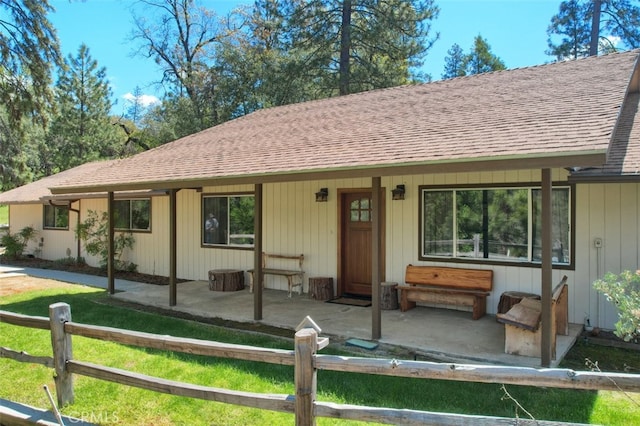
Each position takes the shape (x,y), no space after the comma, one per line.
(591,158)
(128,194)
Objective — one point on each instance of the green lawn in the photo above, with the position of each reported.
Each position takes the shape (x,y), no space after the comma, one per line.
(109,403)
(4,215)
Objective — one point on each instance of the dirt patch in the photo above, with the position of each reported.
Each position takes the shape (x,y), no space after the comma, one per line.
(22,284)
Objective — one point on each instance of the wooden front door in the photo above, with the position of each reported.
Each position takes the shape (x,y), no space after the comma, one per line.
(355,243)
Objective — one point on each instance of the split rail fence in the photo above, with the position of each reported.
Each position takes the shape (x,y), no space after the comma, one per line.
(306,362)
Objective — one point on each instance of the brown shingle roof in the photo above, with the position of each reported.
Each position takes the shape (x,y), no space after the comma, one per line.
(38,192)
(34,192)
(563,110)
(623,158)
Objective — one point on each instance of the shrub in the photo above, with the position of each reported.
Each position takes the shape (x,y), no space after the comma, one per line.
(94,231)
(16,243)
(69,261)
(624,291)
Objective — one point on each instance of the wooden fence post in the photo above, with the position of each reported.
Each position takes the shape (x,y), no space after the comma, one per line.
(306,344)
(59,314)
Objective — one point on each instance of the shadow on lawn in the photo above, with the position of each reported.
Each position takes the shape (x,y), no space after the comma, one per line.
(382,391)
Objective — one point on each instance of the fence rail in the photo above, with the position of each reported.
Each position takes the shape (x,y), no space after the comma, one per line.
(550,377)
(274,402)
(180,344)
(306,362)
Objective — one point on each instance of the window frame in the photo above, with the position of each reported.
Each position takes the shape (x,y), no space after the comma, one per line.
(130,201)
(488,261)
(56,209)
(203,218)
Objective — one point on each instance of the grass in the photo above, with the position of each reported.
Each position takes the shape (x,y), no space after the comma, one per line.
(109,403)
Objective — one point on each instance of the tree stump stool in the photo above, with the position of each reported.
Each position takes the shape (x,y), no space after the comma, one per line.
(388,295)
(321,288)
(226,280)
(510,298)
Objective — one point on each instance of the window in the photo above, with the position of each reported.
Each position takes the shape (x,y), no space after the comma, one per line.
(228,220)
(132,215)
(56,217)
(493,224)
(360,210)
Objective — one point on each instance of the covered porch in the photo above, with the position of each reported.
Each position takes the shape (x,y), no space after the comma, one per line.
(505,128)
(428,333)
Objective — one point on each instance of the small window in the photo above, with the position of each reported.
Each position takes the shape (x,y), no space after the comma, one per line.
(360,210)
(56,217)
(132,215)
(228,220)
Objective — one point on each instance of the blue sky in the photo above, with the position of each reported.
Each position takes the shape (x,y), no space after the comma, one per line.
(515,30)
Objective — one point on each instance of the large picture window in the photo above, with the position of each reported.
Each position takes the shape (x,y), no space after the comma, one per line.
(55,217)
(132,215)
(493,224)
(228,220)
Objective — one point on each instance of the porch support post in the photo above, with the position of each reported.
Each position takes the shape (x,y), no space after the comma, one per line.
(111,282)
(173,243)
(257,254)
(79,244)
(376,218)
(547,329)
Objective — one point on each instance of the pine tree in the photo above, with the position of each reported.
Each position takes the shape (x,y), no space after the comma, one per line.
(350,46)
(454,63)
(81,130)
(28,51)
(571,24)
(478,60)
(616,27)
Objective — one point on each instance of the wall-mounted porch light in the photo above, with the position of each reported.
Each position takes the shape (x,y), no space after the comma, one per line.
(322,195)
(398,192)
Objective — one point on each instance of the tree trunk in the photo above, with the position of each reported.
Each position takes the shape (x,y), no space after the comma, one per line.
(345,47)
(226,280)
(321,288)
(388,296)
(595,28)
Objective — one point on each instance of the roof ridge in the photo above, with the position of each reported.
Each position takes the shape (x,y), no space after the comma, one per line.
(535,66)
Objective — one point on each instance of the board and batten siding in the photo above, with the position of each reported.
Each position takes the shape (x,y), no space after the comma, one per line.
(294,223)
(51,243)
(150,252)
(610,212)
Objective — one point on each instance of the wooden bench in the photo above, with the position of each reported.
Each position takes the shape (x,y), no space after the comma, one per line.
(523,334)
(446,286)
(295,277)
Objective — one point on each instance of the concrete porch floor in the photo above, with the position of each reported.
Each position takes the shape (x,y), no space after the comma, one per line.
(441,334)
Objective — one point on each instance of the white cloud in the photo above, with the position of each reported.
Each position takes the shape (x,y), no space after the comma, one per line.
(614,40)
(144,100)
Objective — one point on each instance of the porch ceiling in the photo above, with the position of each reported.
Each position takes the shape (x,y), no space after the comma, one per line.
(555,115)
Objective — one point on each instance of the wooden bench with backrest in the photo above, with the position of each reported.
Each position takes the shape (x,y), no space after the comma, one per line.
(446,286)
(295,277)
(523,331)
